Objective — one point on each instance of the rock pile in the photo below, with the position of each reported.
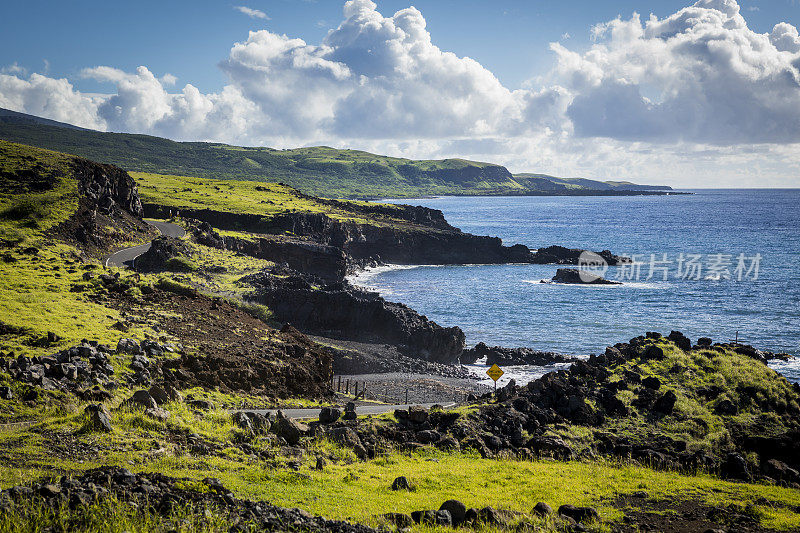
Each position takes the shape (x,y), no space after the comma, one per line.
(161,494)
(454,513)
(84,366)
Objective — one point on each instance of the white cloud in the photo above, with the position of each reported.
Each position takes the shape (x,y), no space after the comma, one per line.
(252,13)
(699,75)
(14,68)
(693,94)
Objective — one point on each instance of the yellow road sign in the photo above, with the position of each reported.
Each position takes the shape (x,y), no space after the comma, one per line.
(495,372)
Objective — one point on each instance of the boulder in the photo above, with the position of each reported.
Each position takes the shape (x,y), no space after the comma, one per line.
(348,437)
(652,382)
(428,436)
(680,340)
(143,400)
(456,509)
(350,411)
(579,514)
(128,346)
(98,418)
(242,421)
(491,516)
(329,415)
(726,407)
(735,467)
(203,405)
(400,520)
(632,377)
(542,509)
(780,471)
(159,395)
(653,352)
(400,483)
(290,429)
(157,413)
(424,517)
(417,415)
(666,403)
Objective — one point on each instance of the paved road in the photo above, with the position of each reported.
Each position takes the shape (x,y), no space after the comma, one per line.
(126,256)
(360,410)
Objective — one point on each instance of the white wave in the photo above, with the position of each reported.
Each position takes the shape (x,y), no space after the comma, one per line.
(522,374)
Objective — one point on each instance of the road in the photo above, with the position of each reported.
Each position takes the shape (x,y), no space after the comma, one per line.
(126,256)
(360,410)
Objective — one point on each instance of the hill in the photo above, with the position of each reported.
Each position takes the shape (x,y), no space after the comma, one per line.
(320,170)
(129,397)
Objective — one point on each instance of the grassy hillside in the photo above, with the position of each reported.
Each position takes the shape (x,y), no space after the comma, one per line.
(320,170)
(48,285)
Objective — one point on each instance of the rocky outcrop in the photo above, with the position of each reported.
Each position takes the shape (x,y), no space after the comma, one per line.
(580,277)
(428,240)
(512,356)
(107,186)
(560,255)
(340,310)
(319,260)
(165,253)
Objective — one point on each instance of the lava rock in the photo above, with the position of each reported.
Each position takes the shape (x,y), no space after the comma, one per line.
(456,509)
(289,429)
(329,415)
(142,399)
(400,483)
(583,277)
(579,514)
(98,418)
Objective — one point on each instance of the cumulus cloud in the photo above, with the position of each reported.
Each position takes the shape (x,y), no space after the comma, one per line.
(252,13)
(699,75)
(671,94)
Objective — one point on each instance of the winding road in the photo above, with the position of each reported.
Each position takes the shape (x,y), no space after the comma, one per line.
(360,410)
(126,256)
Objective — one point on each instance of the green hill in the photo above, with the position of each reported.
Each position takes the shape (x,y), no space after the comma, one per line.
(317,170)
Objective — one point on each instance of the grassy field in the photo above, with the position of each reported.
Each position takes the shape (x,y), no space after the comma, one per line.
(360,490)
(320,170)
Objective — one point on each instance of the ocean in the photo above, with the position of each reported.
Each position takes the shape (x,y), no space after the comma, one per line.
(723,264)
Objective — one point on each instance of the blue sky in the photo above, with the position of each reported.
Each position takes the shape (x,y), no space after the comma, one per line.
(187,38)
(700,93)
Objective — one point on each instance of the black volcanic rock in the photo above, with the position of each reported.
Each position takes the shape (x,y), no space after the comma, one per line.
(560,255)
(163,250)
(342,311)
(107,186)
(512,356)
(583,277)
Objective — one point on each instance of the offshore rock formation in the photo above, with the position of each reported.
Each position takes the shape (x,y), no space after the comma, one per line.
(581,277)
(560,255)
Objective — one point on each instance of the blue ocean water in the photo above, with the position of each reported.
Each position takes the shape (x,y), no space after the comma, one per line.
(507,305)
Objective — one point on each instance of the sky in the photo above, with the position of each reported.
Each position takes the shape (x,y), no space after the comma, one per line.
(703,94)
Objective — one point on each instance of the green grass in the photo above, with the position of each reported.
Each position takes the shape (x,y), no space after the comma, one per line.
(263,199)
(109,515)
(38,297)
(320,170)
(27,211)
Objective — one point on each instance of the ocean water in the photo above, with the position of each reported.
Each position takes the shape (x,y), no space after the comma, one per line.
(758,300)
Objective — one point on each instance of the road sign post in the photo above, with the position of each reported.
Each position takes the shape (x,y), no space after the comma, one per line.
(495,372)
